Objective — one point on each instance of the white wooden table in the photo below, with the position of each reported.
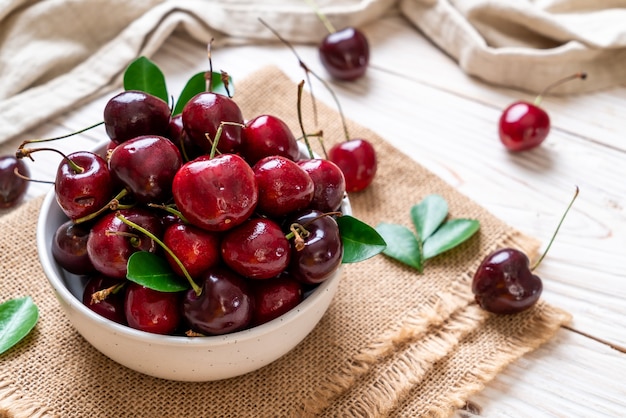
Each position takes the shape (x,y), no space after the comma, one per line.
(420,101)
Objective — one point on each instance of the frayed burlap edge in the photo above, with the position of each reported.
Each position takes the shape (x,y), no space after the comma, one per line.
(14,404)
(435,313)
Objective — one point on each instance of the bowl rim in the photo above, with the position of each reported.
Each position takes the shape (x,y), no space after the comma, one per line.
(48,265)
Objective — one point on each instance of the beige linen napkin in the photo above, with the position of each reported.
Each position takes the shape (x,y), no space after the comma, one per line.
(393,342)
(56,54)
(528,44)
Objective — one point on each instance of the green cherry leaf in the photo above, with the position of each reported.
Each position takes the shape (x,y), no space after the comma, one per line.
(402,244)
(144,75)
(360,241)
(448,236)
(150,270)
(197,84)
(428,215)
(17,318)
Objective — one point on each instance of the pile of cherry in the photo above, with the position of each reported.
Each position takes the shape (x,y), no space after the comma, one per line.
(245,221)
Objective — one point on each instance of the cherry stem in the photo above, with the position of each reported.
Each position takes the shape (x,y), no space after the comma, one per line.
(114,204)
(304,136)
(169,209)
(218,134)
(580,75)
(24,153)
(31,141)
(16,171)
(556,230)
(208,77)
(102,294)
(329,26)
(308,71)
(150,235)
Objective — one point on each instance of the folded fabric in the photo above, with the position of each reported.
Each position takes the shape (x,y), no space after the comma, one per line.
(529,44)
(55,54)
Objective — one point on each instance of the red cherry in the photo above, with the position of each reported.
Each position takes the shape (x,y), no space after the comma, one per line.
(202,117)
(217,193)
(275,297)
(12,187)
(110,306)
(330,184)
(268,135)
(196,249)
(524,125)
(357,160)
(152,311)
(345,53)
(505,284)
(284,187)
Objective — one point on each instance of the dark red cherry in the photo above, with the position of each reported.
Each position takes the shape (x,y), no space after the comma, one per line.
(329,184)
(256,249)
(83,186)
(69,248)
(275,297)
(505,284)
(202,117)
(217,193)
(224,305)
(523,126)
(111,304)
(12,187)
(357,160)
(134,113)
(188,149)
(284,187)
(267,135)
(197,249)
(146,165)
(152,311)
(321,248)
(111,242)
(345,53)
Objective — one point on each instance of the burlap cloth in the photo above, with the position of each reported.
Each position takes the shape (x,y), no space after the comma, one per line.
(393,342)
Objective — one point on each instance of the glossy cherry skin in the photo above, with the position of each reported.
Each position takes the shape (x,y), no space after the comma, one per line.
(504,283)
(176,133)
(224,305)
(257,249)
(69,248)
(146,165)
(322,252)
(112,306)
(329,184)
(12,187)
(345,54)
(152,311)
(275,297)
(202,116)
(217,193)
(111,242)
(197,249)
(134,113)
(80,193)
(284,187)
(523,126)
(357,160)
(267,135)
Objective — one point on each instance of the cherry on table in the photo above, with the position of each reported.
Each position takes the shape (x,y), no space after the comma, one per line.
(12,187)
(523,125)
(345,53)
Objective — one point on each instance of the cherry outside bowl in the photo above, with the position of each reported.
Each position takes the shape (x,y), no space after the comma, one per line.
(192,359)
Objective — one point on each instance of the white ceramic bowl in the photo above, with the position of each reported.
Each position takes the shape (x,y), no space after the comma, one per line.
(176,357)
